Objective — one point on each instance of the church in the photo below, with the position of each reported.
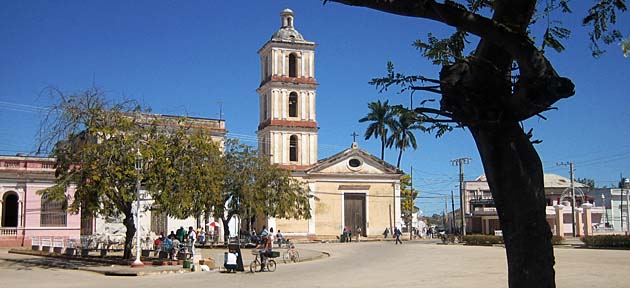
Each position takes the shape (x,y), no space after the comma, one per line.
(352,188)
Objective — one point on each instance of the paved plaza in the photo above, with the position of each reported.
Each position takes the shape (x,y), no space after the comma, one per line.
(366,264)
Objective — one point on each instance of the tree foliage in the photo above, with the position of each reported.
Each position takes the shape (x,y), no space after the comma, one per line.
(408,195)
(402,127)
(95,152)
(381,118)
(251,186)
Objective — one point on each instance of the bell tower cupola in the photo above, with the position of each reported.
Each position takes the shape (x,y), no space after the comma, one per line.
(287,129)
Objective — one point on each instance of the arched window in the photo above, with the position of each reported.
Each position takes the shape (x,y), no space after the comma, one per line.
(53,213)
(292,65)
(10,210)
(293,148)
(293,104)
(290,22)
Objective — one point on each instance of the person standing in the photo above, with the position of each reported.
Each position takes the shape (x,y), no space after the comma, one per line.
(397,234)
(358,231)
(386,232)
(272,238)
(279,237)
(192,237)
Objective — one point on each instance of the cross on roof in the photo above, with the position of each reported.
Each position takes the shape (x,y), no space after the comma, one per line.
(354,136)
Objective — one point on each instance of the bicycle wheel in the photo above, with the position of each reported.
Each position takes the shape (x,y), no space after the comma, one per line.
(271,265)
(254,266)
(293,256)
(285,257)
(296,256)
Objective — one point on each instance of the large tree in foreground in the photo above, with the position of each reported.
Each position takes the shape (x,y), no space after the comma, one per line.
(505,80)
(95,144)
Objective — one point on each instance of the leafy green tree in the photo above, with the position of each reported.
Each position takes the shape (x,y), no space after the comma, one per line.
(407,196)
(505,80)
(96,145)
(186,172)
(381,118)
(402,131)
(253,187)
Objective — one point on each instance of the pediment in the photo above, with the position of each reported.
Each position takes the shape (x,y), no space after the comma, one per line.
(353,161)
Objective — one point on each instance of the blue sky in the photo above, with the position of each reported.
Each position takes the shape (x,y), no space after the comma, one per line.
(198,57)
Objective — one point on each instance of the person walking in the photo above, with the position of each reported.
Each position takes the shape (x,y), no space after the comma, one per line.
(397,234)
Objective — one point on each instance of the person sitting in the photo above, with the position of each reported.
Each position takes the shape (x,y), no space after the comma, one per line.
(230,261)
(265,249)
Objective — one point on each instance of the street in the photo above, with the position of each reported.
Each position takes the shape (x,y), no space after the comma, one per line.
(366,264)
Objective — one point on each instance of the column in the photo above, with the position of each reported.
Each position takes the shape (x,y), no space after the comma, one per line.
(303,105)
(559,220)
(396,207)
(588,221)
(578,222)
(283,102)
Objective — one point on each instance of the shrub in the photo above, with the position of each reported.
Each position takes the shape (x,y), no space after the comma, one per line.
(482,239)
(607,241)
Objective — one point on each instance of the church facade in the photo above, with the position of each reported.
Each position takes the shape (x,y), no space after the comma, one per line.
(352,188)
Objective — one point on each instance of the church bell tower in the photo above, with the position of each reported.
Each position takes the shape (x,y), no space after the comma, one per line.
(287,129)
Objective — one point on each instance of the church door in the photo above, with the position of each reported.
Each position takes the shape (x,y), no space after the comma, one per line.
(354,212)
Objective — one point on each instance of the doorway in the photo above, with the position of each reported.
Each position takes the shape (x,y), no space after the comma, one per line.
(354,212)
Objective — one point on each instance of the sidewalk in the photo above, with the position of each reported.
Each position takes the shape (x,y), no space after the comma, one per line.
(124,270)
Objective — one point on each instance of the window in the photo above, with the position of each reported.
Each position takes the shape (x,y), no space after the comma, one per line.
(292,65)
(293,148)
(53,213)
(354,163)
(293,104)
(290,22)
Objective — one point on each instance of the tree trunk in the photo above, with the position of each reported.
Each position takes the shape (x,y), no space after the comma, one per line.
(382,147)
(399,158)
(514,173)
(226,229)
(131,231)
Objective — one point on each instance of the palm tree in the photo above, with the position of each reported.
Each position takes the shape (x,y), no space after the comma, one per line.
(402,130)
(381,117)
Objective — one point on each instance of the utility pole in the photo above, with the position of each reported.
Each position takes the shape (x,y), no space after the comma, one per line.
(570,164)
(462,198)
(445,210)
(412,205)
(453,213)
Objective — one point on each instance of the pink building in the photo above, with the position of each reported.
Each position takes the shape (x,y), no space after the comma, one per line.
(24,216)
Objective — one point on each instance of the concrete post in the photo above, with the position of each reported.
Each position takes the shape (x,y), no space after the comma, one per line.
(578,222)
(588,221)
(559,220)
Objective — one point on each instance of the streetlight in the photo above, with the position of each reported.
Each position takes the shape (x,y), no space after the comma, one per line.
(139,162)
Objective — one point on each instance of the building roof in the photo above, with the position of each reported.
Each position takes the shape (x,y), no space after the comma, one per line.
(551,181)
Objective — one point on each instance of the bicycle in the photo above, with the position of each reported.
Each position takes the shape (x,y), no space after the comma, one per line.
(291,255)
(256,263)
